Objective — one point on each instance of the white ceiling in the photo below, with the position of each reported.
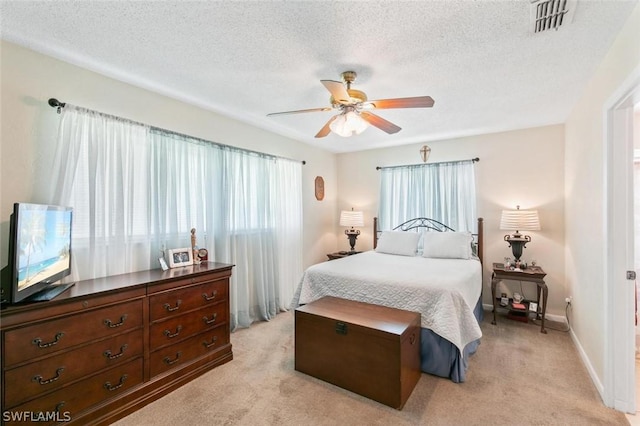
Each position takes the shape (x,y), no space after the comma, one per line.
(480,60)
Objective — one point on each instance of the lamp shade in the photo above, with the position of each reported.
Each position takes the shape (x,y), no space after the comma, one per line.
(520,220)
(348,124)
(351,218)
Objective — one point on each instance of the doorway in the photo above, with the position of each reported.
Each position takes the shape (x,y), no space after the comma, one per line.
(636,227)
(619,365)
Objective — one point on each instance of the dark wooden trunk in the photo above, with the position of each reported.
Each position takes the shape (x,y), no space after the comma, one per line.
(368,349)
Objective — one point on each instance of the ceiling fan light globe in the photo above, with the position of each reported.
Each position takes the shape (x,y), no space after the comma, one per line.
(338,127)
(356,123)
(348,124)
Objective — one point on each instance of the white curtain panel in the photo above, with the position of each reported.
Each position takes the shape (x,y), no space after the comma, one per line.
(138,191)
(445,192)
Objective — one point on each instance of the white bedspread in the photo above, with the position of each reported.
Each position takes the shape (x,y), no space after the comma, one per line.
(444,291)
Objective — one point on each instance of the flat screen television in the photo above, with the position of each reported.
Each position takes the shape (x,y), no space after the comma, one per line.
(39,252)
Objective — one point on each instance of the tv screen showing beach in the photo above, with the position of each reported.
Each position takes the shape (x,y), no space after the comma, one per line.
(44,242)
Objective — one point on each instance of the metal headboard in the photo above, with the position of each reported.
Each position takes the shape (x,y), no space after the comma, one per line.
(432,224)
(423,222)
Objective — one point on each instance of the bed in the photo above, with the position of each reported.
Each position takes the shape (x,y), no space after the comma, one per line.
(422,266)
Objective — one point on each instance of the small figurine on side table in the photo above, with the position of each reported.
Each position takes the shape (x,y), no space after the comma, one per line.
(194,247)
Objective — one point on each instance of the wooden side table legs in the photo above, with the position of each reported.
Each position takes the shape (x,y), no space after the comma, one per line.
(494,282)
(545,293)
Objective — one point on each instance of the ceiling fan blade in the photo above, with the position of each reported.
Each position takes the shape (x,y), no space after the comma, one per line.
(299,111)
(325,130)
(338,91)
(416,102)
(380,123)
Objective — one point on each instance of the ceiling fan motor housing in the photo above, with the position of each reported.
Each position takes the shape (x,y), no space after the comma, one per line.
(357,96)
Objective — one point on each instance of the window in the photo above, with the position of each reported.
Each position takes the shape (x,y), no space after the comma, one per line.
(138,191)
(441,191)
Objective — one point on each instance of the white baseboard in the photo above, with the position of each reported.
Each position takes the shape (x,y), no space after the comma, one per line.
(587,363)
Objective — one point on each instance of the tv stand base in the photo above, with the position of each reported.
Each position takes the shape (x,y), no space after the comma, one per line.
(49,293)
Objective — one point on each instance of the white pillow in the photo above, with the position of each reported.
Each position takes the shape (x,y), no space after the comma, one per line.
(398,242)
(447,245)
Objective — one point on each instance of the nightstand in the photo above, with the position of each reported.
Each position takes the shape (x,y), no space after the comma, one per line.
(341,254)
(533,274)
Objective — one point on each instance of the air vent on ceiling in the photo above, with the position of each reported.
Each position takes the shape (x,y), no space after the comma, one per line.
(551,14)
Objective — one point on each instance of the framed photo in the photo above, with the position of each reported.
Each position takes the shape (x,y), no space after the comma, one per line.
(180,257)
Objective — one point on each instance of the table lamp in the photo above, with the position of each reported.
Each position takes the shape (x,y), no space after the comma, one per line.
(351,219)
(519,220)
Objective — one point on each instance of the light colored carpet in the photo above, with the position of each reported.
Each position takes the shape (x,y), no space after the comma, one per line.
(518,376)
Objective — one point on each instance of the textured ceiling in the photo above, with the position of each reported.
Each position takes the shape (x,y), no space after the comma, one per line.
(479,60)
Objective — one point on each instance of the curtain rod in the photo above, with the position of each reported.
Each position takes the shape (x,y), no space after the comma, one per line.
(54,103)
(428,164)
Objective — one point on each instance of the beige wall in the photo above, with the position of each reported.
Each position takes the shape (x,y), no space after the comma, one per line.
(523,167)
(585,197)
(29,127)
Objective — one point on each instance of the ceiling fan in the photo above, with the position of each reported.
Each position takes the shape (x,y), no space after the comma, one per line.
(354,108)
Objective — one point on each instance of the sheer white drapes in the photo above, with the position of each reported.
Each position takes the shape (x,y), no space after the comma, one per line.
(445,192)
(97,171)
(137,190)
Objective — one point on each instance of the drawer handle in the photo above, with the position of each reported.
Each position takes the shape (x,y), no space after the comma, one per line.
(412,338)
(38,341)
(170,309)
(107,353)
(110,388)
(209,344)
(59,406)
(214,293)
(39,379)
(110,324)
(170,361)
(170,335)
(210,321)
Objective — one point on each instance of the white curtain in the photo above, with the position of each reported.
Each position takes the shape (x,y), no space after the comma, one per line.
(445,192)
(137,191)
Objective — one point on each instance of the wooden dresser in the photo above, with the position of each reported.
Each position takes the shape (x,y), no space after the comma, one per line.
(112,345)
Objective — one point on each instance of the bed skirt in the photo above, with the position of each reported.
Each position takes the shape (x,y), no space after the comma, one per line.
(442,358)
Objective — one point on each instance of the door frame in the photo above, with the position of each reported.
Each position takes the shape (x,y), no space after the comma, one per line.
(619,360)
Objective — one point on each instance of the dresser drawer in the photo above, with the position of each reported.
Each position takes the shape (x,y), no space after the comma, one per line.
(178,301)
(53,372)
(178,328)
(176,355)
(73,399)
(48,337)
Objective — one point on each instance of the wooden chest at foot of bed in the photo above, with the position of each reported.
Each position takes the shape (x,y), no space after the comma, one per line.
(368,349)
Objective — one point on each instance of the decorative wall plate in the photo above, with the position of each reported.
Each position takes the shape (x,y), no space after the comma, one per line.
(319,184)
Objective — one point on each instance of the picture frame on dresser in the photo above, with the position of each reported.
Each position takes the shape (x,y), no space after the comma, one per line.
(180,257)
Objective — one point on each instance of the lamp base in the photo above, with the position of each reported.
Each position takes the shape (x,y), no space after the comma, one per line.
(352,234)
(517,242)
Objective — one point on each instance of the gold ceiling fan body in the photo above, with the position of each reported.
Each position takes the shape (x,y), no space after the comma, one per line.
(346,100)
